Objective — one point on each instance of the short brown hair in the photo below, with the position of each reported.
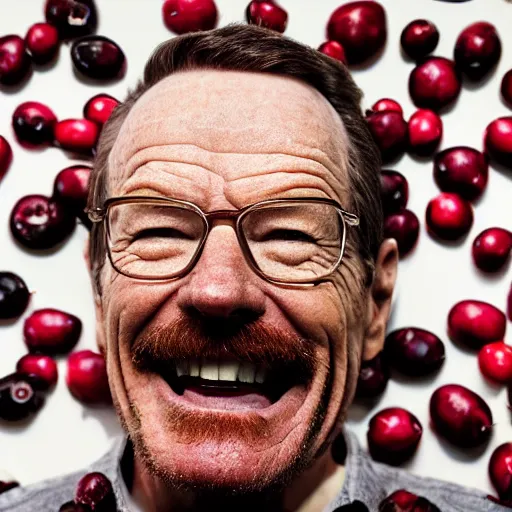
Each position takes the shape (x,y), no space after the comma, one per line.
(240,47)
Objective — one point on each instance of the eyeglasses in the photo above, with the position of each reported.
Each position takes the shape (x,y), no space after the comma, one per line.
(297,241)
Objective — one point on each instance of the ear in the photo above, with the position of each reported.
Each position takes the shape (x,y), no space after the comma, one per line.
(381,293)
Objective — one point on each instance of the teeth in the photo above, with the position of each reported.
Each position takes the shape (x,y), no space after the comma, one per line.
(229,371)
(209,370)
(246,373)
(194,368)
(261,375)
(182,368)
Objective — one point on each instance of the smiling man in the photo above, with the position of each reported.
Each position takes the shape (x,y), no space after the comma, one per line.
(240,278)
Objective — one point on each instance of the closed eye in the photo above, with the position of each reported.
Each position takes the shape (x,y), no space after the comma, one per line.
(161,233)
(288,235)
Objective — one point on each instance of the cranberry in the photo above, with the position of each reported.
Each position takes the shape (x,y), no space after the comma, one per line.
(495,362)
(425,131)
(42,42)
(333,49)
(87,377)
(500,470)
(506,88)
(373,377)
(394,191)
(7,482)
(40,365)
(14,296)
(98,57)
(72,18)
(5,156)
(71,186)
(18,397)
(404,227)
(94,490)
(71,506)
(38,222)
(477,50)
(449,216)
(387,104)
(405,501)
(77,135)
(360,27)
(509,303)
(15,62)
(498,141)
(99,108)
(491,249)
(434,83)
(419,38)
(462,170)
(389,130)
(181,16)
(268,14)
(460,416)
(33,124)
(393,435)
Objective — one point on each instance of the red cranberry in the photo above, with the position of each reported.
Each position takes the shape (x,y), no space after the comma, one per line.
(473,323)
(389,130)
(14,296)
(404,227)
(99,108)
(18,397)
(268,14)
(181,16)
(7,482)
(94,490)
(449,216)
(77,135)
(387,104)
(373,377)
(477,50)
(360,27)
(460,416)
(405,501)
(498,141)
(462,170)
(42,42)
(509,303)
(72,18)
(15,62)
(425,131)
(33,124)
(434,83)
(333,49)
(500,470)
(40,365)
(394,191)
(51,331)
(5,156)
(506,88)
(98,57)
(71,186)
(491,249)
(419,38)
(38,222)
(495,362)
(393,435)
(87,377)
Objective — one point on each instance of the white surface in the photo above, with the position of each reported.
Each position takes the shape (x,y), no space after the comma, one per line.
(65,436)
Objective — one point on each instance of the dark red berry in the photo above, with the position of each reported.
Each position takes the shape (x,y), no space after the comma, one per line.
(404,227)
(498,141)
(99,108)
(7,482)
(44,367)
(266,13)
(42,42)
(509,303)
(389,131)
(77,135)
(386,104)
(394,191)
(71,506)
(425,130)
(14,296)
(15,62)
(33,124)
(182,16)
(333,49)
(500,470)
(373,377)
(5,156)
(449,216)
(403,499)
(71,18)
(491,249)
(95,491)
(18,397)
(419,38)
(506,88)
(495,362)
(71,186)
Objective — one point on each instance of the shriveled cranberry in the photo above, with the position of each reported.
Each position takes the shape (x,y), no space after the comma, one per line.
(181,16)
(99,108)
(18,397)
(33,124)
(95,491)
(389,131)
(5,156)
(434,83)
(419,38)
(40,365)
(495,362)
(393,435)
(404,227)
(373,377)
(425,130)
(15,62)
(394,191)
(387,104)
(268,14)
(7,482)
(72,18)
(477,50)
(491,249)
(500,470)
(460,416)
(360,27)
(98,57)
(38,222)
(333,49)
(87,377)
(77,135)
(498,141)
(462,170)
(14,296)
(42,42)
(506,88)
(449,216)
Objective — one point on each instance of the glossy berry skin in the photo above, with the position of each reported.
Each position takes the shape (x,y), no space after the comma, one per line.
(87,377)
(37,222)
(419,38)
(394,191)
(182,16)
(98,57)
(361,29)
(405,501)
(40,365)
(462,170)
(460,416)
(14,296)
(449,216)
(404,227)
(15,62)
(333,49)
(266,13)
(51,331)
(495,362)
(99,108)
(491,249)
(5,156)
(506,88)
(373,377)
(70,186)
(77,135)
(386,104)
(42,41)
(473,323)
(477,50)
(393,435)
(500,470)
(19,397)
(33,123)
(434,83)
(71,18)
(425,130)
(498,141)
(389,131)
(509,303)
(95,491)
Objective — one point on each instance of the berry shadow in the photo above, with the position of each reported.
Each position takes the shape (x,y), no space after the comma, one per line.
(415,380)
(370,61)
(459,242)
(43,253)
(462,454)
(491,277)
(505,171)
(474,85)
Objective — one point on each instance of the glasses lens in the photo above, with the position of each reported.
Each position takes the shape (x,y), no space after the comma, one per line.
(151,240)
(294,242)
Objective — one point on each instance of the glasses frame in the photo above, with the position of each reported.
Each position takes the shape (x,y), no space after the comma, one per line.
(97,215)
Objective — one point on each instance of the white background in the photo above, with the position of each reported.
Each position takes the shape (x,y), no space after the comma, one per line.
(65,435)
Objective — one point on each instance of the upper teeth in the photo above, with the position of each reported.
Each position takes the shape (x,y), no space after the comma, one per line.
(221,370)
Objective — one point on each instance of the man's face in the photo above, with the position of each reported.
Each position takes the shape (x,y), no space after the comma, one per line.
(223,140)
